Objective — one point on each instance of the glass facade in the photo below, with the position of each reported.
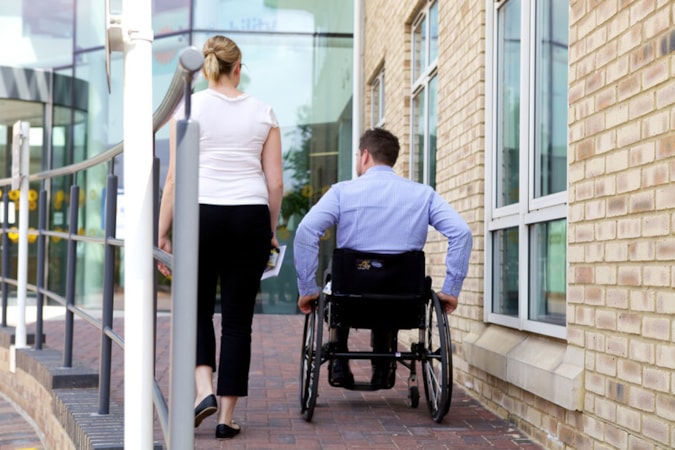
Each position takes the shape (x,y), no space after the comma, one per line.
(297,56)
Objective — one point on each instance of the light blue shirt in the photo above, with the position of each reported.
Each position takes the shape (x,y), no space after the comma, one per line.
(382,212)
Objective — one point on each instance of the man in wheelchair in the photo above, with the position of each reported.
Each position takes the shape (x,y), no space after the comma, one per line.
(383,213)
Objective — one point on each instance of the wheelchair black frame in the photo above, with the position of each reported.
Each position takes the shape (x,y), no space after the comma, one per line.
(437,381)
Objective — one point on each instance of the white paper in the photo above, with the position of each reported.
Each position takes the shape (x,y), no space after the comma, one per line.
(274,271)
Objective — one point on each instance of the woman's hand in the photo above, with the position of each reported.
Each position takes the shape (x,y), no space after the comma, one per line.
(164,244)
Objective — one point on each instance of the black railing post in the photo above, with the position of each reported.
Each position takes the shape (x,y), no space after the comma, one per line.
(105,366)
(71,265)
(41,261)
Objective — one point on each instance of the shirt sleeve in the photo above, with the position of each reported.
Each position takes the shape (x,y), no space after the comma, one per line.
(272,118)
(448,222)
(320,217)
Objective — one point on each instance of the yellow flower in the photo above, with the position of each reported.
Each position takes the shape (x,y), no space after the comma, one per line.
(32,195)
(56,238)
(14,195)
(13,234)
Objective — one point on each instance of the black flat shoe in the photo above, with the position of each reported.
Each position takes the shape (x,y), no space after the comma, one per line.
(226,432)
(205,408)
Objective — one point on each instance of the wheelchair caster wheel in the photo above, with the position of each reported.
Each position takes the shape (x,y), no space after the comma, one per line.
(414,396)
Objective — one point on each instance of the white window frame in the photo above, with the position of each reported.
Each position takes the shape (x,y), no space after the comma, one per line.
(420,86)
(528,210)
(377,118)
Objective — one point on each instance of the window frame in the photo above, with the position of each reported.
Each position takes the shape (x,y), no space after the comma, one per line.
(377,112)
(420,85)
(529,210)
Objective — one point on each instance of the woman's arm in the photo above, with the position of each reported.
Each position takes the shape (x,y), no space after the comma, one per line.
(166,206)
(272,168)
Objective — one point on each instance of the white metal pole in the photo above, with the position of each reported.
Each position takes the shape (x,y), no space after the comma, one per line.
(22,132)
(138,261)
(357,80)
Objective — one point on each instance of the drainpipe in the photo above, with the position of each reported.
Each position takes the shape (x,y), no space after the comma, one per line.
(357,81)
(138,260)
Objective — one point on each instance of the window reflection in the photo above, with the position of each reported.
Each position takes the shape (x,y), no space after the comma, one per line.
(417,155)
(548,261)
(433,32)
(505,272)
(263,16)
(551,98)
(508,104)
(170,16)
(433,129)
(52,18)
(419,48)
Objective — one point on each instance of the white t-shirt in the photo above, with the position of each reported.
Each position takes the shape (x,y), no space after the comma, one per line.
(232,132)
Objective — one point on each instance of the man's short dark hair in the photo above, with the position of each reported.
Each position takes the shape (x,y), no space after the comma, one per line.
(382,145)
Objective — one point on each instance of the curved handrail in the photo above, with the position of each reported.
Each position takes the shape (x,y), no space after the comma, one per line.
(160,117)
(190,61)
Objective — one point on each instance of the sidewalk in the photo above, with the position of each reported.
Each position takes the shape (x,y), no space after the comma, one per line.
(270,415)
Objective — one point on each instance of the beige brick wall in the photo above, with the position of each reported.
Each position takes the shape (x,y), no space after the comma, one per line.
(622,217)
(621,231)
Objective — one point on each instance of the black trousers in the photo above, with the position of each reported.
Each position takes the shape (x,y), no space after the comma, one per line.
(234,245)
(382,341)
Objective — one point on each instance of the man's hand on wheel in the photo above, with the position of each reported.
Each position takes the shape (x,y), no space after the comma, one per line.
(305,302)
(449,302)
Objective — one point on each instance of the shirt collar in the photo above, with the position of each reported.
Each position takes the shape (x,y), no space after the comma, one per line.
(380,168)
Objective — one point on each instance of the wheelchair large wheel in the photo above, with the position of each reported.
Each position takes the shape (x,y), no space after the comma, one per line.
(310,362)
(437,361)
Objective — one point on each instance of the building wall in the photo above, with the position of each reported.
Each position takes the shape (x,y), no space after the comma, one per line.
(621,230)
(621,237)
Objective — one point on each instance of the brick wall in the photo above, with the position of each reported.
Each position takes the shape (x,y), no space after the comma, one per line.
(621,276)
(621,300)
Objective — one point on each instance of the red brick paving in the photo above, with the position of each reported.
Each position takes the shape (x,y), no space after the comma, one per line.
(270,415)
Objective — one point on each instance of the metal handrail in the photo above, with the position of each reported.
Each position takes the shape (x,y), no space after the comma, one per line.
(179,89)
(160,117)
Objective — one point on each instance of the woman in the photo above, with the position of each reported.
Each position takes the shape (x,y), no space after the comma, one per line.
(240,191)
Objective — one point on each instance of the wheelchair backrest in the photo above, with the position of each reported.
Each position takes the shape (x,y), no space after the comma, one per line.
(378,291)
(365,274)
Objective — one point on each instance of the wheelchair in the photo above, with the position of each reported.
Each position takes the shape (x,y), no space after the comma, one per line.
(383,292)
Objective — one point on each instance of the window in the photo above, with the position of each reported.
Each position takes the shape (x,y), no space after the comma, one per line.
(526,165)
(377,100)
(424,95)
